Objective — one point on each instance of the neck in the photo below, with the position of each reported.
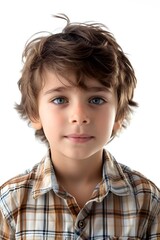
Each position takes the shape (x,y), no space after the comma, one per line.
(77,171)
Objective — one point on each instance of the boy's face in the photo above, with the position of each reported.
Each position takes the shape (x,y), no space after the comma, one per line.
(77,123)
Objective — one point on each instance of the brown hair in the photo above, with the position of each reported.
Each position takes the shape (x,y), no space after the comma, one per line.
(89,50)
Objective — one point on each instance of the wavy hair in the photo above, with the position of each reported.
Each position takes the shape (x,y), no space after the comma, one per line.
(87,49)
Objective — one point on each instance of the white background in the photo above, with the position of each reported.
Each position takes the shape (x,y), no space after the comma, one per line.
(136,26)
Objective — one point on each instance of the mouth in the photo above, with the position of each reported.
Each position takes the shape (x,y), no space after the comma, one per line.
(79,138)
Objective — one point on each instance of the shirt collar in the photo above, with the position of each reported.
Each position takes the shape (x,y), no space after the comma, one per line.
(114,179)
(45,178)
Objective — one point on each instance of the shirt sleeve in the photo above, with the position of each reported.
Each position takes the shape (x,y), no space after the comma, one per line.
(5,230)
(154,230)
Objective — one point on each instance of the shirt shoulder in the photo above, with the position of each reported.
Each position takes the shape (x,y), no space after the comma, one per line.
(142,190)
(20,191)
(139,182)
(13,191)
(28,185)
(136,180)
(36,176)
(24,179)
(146,194)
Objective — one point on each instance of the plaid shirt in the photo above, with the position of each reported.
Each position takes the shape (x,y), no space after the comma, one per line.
(125,205)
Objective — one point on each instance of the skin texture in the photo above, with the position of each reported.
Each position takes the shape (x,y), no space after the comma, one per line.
(77,123)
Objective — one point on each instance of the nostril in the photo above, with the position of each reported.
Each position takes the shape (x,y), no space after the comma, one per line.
(79,120)
(85,121)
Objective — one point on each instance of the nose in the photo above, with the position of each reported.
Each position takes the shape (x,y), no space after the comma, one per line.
(79,116)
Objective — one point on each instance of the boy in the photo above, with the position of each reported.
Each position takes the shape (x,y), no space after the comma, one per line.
(77,91)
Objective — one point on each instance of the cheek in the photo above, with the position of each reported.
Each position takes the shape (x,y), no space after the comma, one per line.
(105,125)
(52,121)
(106,122)
(52,127)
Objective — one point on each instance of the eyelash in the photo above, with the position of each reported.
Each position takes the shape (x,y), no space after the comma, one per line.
(64,100)
(100,100)
(58,98)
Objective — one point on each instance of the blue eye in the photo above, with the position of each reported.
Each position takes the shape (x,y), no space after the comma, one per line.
(59,100)
(97,101)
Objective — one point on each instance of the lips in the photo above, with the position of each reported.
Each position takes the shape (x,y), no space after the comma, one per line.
(79,138)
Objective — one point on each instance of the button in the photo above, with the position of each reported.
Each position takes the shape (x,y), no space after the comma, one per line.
(81,224)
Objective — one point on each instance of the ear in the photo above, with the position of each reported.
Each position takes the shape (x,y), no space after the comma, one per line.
(36,124)
(117,126)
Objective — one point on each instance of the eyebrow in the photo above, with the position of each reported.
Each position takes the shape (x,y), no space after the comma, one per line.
(98,89)
(89,89)
(58,89)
